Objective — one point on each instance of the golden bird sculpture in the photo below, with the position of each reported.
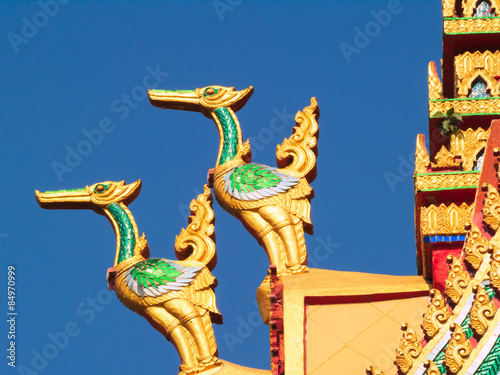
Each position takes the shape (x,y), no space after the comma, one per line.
(272,203)
(175,296)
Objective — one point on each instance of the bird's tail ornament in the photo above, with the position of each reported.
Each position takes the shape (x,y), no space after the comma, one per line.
(197,241)
(297,154)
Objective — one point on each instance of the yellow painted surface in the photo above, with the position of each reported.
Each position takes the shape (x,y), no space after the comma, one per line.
(352,335)
(346,338)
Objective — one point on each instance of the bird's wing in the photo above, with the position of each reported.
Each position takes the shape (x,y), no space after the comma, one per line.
(251,182)
(155,277)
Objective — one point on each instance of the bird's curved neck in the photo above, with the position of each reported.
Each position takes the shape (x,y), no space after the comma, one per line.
(229,132)
(125,229)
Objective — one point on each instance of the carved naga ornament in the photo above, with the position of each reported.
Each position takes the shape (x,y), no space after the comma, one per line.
(175,296)
(272,203)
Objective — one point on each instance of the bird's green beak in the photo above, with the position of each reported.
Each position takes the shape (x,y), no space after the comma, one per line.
(63,199)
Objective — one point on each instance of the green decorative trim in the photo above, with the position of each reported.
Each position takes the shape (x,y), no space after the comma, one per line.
(491,364)
(469,18)
(462,99)
(230,134)
(477,114)
(466,327)
(477,32)
(127,236)
(63,191)
(168,91)
(490,291)
(439,360)
(451,188)
(440,173)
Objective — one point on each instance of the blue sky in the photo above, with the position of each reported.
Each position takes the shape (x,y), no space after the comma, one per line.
(70,67)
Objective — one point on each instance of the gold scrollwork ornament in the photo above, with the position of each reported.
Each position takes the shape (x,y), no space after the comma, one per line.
(458,349)
(409,349)
(437,314)
(495,268)
(491,209)
(482,311)
(432,368)
(457,281)
(476,247)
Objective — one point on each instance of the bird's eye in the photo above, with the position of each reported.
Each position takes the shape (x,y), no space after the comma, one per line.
(100,188)
(210,91)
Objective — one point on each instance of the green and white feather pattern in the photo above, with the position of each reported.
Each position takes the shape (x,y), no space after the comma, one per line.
(156,276)
(251,182)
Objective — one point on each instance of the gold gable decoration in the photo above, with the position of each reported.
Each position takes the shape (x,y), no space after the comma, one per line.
(469,6)
(464,148)
(435,86)
(422,160)
(444,219)
(448,8)
(469,66)
(445,159)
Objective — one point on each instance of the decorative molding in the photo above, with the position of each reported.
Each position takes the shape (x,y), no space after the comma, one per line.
(435,181)
(445,159)
(467,106)
(491,209)
(299,152)
(466,145)
(482,311)
(475,247)
(495,268)
(435,86)
(437,314)
(409,349)
(197,241)
(444,219)
(457,281)
(471,65)
(470,5)
(431,367)
(422,160)
(458,349)
(472,25)
(448,8)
